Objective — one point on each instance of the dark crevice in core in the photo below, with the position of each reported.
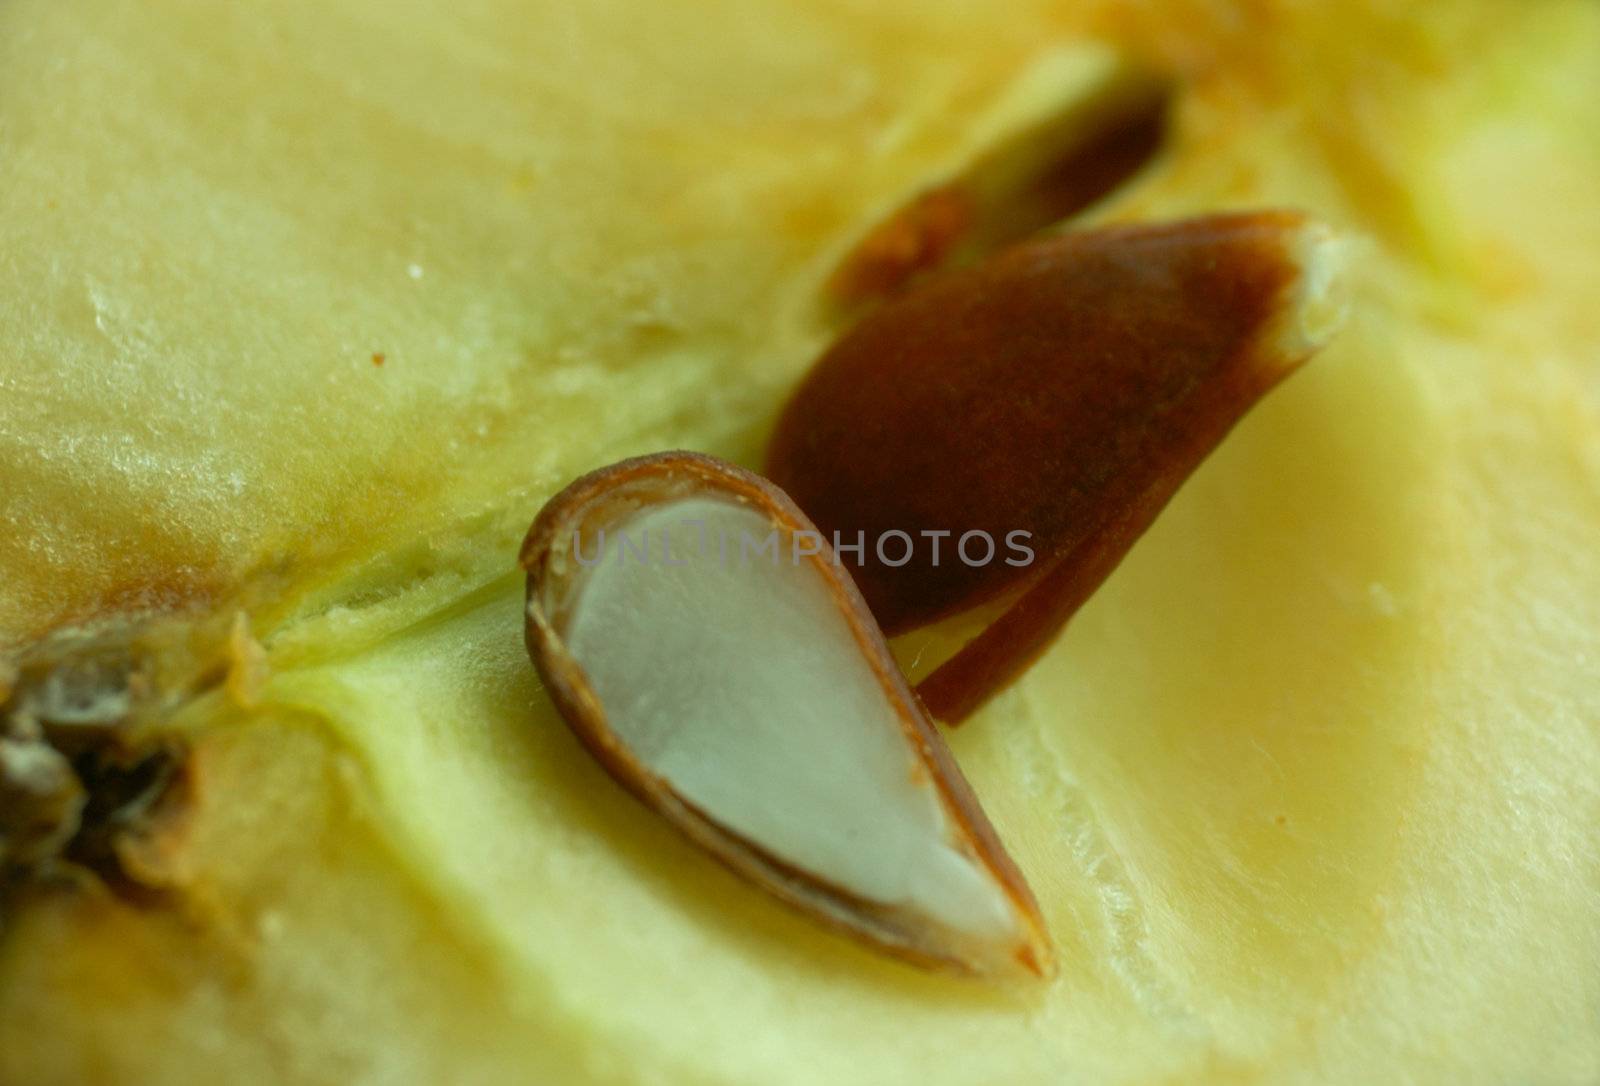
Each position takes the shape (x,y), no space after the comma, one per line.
(76,777)
(1041,178)
(1080,175)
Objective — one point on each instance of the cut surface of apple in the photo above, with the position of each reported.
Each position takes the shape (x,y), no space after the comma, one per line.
(1305,793)
(714,655)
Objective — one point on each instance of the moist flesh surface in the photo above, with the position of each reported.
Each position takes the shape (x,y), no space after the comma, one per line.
(308,307)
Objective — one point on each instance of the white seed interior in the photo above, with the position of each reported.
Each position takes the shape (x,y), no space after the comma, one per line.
(736,678)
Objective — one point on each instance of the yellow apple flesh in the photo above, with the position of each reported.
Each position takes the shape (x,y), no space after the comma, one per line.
(308,307)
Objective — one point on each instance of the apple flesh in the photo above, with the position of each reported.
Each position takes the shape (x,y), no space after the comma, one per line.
(1306,791)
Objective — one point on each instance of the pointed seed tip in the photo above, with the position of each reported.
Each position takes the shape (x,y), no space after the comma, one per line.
(1318,299)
